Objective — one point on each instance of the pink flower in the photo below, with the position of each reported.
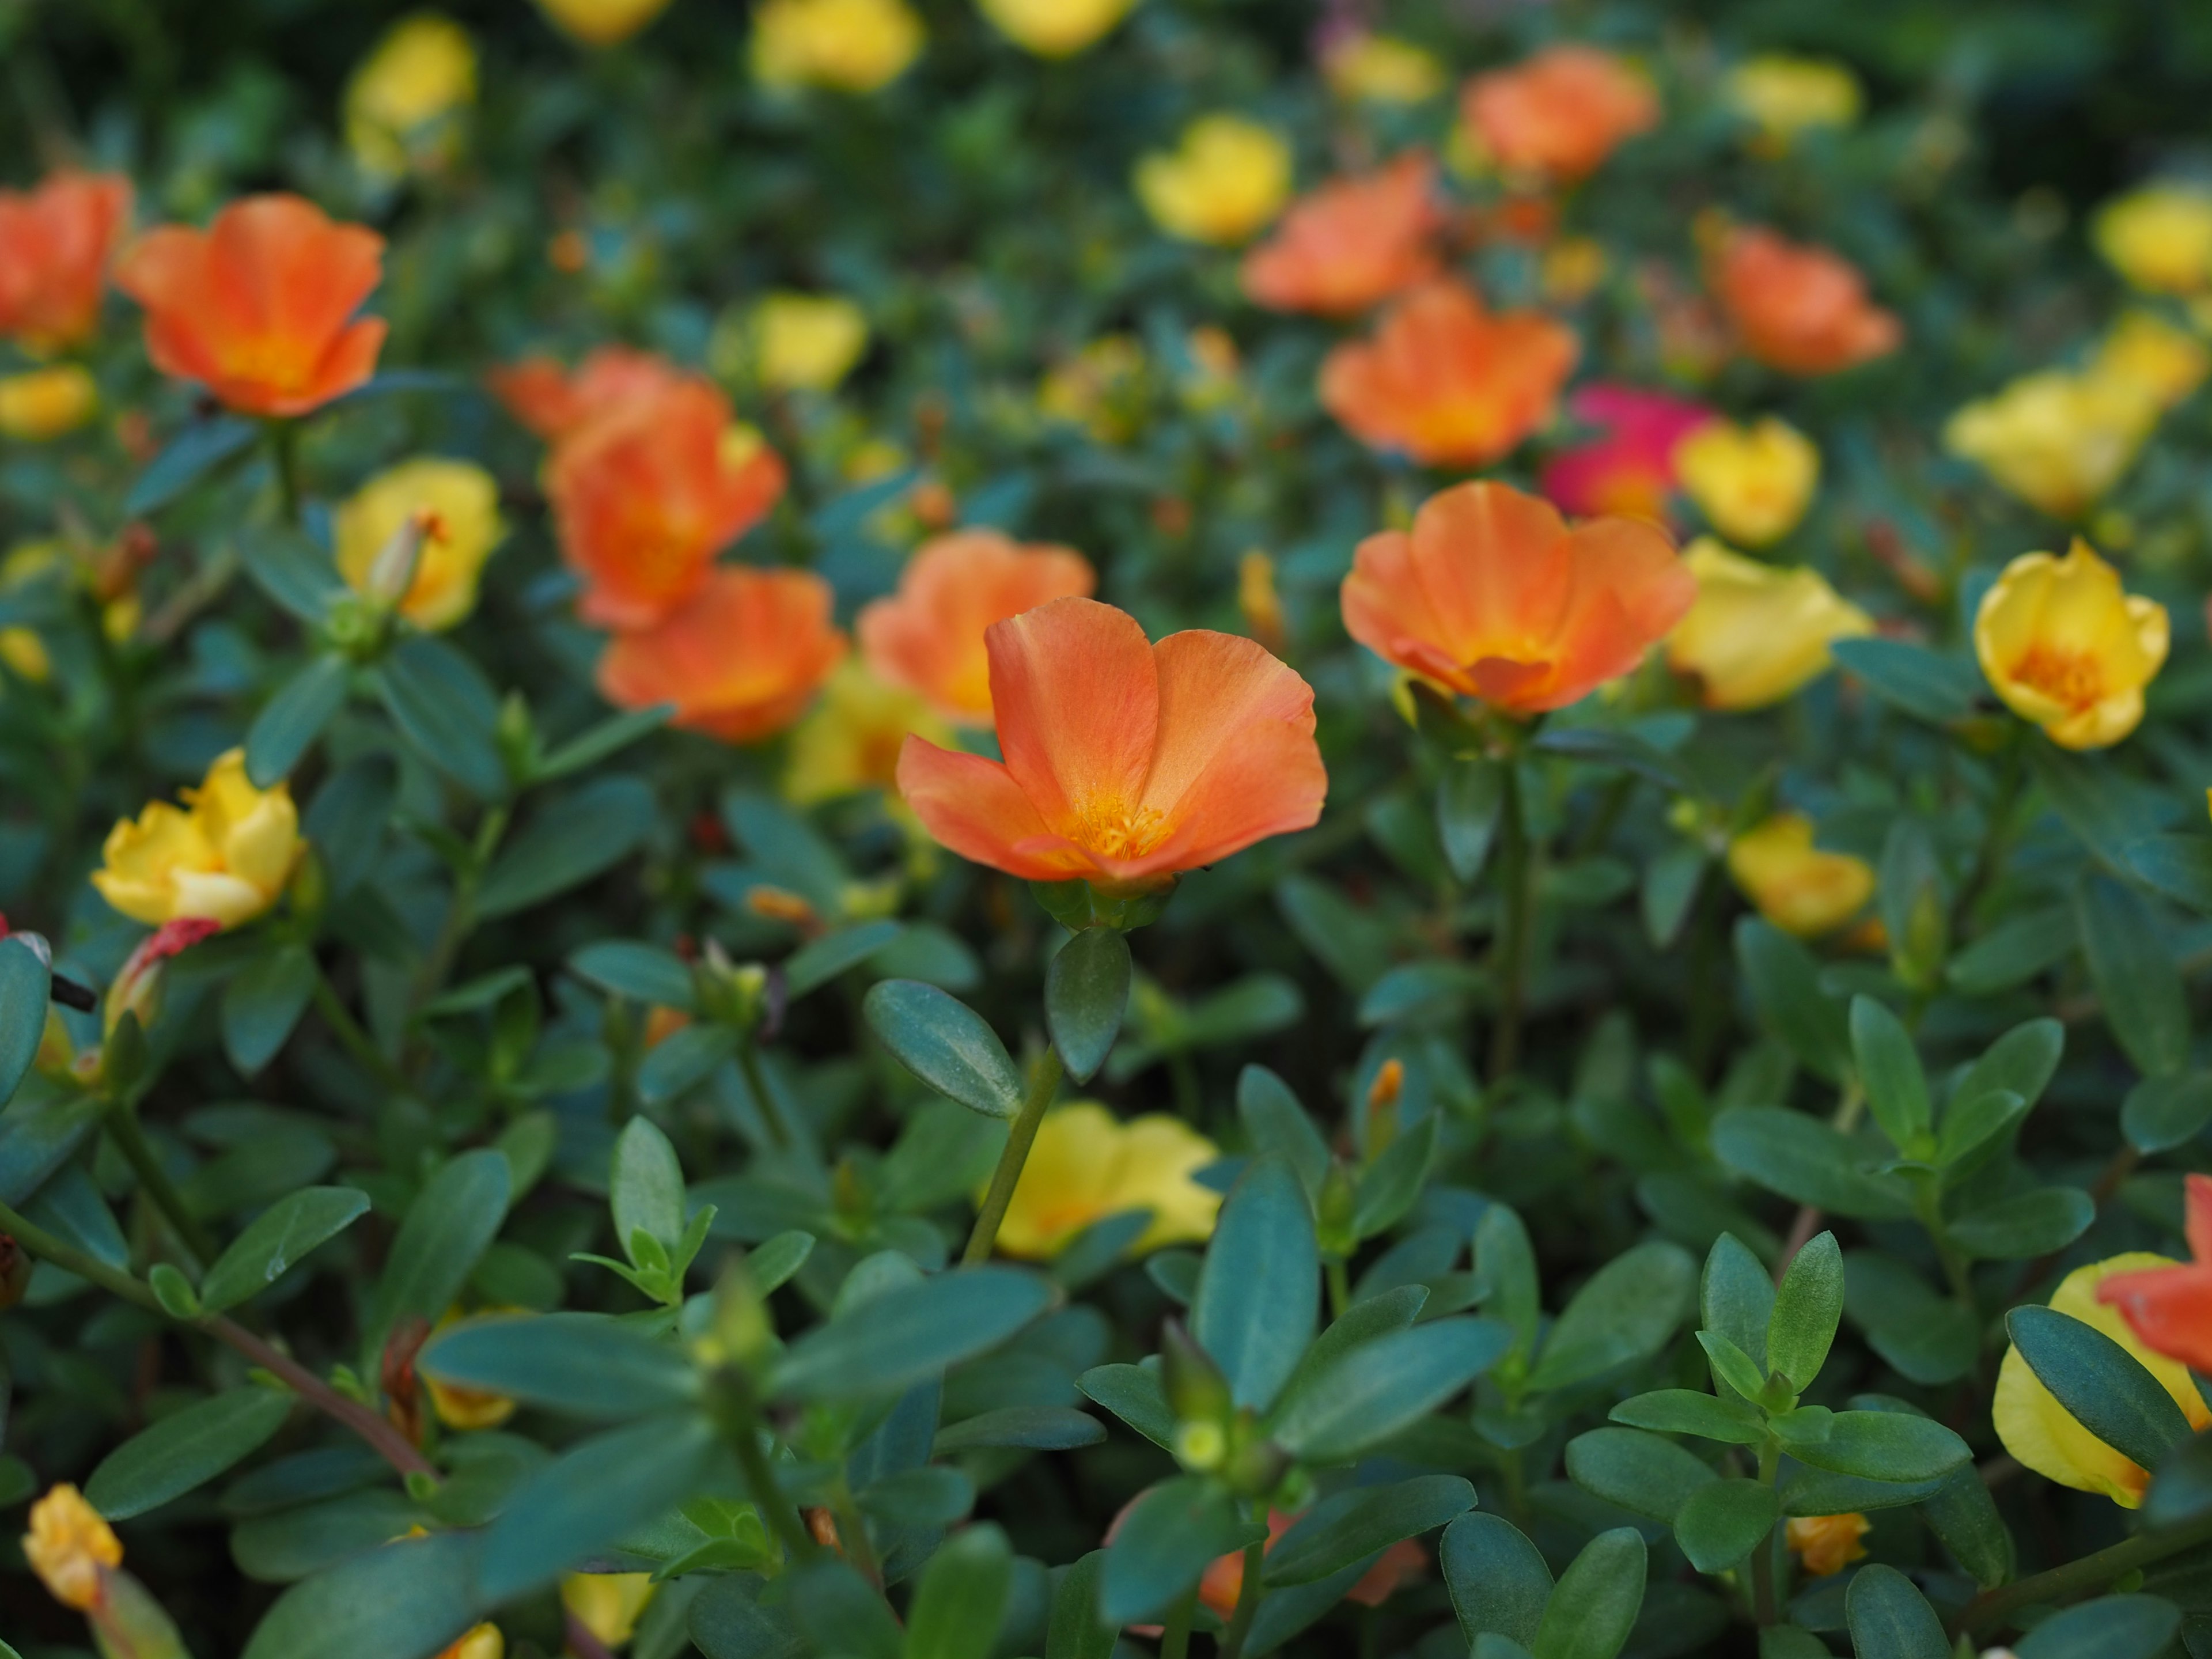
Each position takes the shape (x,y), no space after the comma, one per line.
(1630,468)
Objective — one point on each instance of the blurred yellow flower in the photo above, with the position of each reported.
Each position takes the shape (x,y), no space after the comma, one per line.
(46,403)
(224,857)
(462,528)
(1087,1165)
(602,22)
(1260,602)
(807,342)
(2041,1433)
(1571,268)
(2159,237)
(1795,885)
(401,103)
(1222,184)
(1827,1543)
(1380,69)
(2143,350)
(1100,388)
(1753,482)
(70,1547)
(468,1409)
(483,1642)
(1757,632)
(2057,440)
(851,738)
(25,654)
(848,46)
(1054,28)
(1784,95)
(2067,647)
(608,1604)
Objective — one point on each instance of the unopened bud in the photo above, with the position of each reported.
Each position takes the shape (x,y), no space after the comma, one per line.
(1200,1446)
(390,576)
(137,989)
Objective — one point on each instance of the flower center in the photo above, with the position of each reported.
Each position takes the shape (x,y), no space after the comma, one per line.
(2072,678)
(1117,830)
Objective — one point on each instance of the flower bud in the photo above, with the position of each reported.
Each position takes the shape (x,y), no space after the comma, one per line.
(138,989)
(71,1548)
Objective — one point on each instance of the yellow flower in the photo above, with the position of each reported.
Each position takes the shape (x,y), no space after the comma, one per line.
(1222,184)
(1796,886)
(850,46)
(462,528)
(1100,388)
(1827,1543)
(1380,69)
(225,859)
(850,740)
(807,341)
(25,653)
(2145,351)
(1571,268)
(484,1641)
(401,102)
(602,22)
(46,403)
(1753,482)
(608,1604)
(70,1547)
(1757,632)
(2068,649)
(1087,1165)
(2056,440)
(2159,237)
(2038,1431)
(1784,95)
(1054,28)
(468,1409)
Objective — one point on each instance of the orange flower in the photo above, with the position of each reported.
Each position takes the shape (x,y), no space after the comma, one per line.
(259,307)
(740,662)
(1126,762)
(1492,595)
(1351,244)
(55,243)
(1224,1579)
(1802,310)
(1560,113)
(645,495)
(929,637)
(553,402)
(2170,1309)
(1447,382)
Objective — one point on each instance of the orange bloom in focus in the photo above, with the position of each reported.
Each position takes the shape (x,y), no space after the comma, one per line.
(1447,382)
(645,495)
(2170,1309)
(1492,595)
(1351,244)
(929,638)
(1126,762)
(740,662)
(259,307)
(1560,113)
(55,244)
(553,402)
(1802,310)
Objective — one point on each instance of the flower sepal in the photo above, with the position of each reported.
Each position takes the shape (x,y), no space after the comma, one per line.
(1076,905)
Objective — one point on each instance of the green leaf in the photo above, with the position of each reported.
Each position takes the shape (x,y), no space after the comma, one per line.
(25,987)
(567,843)
(173,1291)
(1623,751)
(1789,1642)
(457,1212)
(1735,1296)
(2110,1627)
(1806,1160)
(2161,1113)
(582,1365)
(1890,1618)
(962,1600)
(2099,1383)
(1496,1577)
(447,710)
(1086,992)
(193,453)
(2179,866)
(1277,1123)
(726,1620)
(2134,972)
(2026,1224)
(277,1240)
(416,1596)
(819,961)
(1808,1308)
(1927,686)
(1639,1472)
(1133,1395)
(683,1060)
(1593,1609)
(291,720)
(1375,1389)
(1259,1292)
(1506,1274)
(1076,1630)
(2022,1061)
(263,1003)
(1686,1411)
(1343,1528)
(1965,1516)
(1732,1366)
(1971,1125)
(1888,1446)
(1468,797)
(1629,1308)
(610,737)
(838,1611)
(773,1261)
(1672,880)
(945,1043)
(909,1334)
(1038,1428)
(1388,1187)
(1889,1069)
(186,1450)
(1720,1522)
(1784,984)
(1168,1538)
(643,973)
(347,820)
(2014,951)
(645,1184)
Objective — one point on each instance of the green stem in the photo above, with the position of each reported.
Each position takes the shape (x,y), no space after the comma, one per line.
(1248,1602)
(764,1100)
(853,1534)
(1176,1645)
(742,1429)
(1989,858)
(461,914)
(355,1041)
(46,1246)
(284,446)
(1045,1083)
(2078,1578)
(1510,954)
(1515,1477)
(1340,1288)
(1762,1558)
(122,1128)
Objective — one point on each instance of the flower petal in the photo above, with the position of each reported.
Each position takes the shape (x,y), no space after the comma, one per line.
(1077,696)
(974,806)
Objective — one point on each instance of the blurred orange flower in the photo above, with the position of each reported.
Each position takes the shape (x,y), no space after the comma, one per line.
(2170,1309)
(554,402)
(1492,594)
(1802,310)
(645,495)
(1224,1579)
(1351,244)
(55,244)
(1448,382)
(1560,113)
(259,307)
(740,661)
(1126,762)
(929,638)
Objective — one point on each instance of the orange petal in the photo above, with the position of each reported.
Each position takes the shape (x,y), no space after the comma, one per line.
(1077,696)
(282,271)
(2198,1189)
(1270,781)
(973,806)
(1216,692)
(2169,1308)
(1490,562)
